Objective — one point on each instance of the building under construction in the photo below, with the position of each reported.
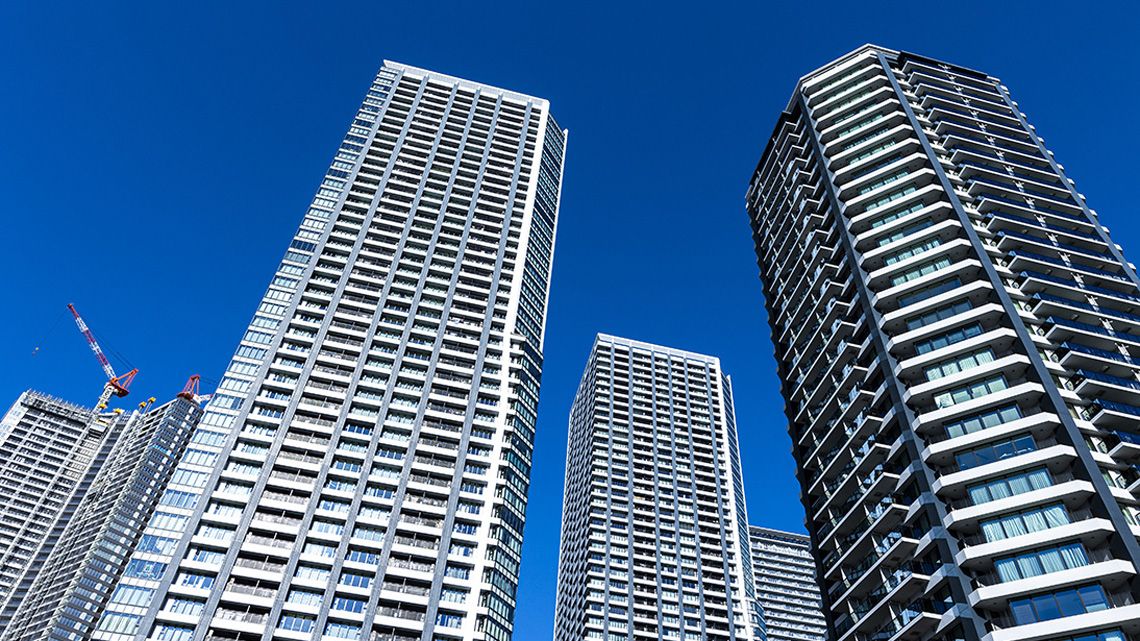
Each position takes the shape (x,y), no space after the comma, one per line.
(79,487)
(63,597)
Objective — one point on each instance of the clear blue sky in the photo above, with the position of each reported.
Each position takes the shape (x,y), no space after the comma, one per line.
(156,158)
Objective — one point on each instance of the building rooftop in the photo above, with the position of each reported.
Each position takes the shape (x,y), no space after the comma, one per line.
(662,349)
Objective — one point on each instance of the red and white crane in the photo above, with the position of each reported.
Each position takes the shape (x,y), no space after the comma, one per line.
(115,385)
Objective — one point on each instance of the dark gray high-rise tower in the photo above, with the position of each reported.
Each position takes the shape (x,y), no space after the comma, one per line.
(959,343)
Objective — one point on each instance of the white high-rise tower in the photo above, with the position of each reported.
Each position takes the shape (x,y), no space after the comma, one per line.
(654,527)
(362,471)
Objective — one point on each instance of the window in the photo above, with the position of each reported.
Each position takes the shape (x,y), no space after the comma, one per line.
(912,251)
(984,420)
(304,597)
(184,606)
(929,292)
(172,522)
(119,623)
(949,338)
(942,313)
(895,215)
(132,595)
(451,595)
(1034,520)
(959,364)
(971,391)
(920,271)
(152,544)
(137,569)
(1055,559)
(342,631)
(362,556)
(347,604)
(1065,603)
(1009,486)
(449,620)
(995,452)
(297,622)
(903,233)
(311,572)
(165,632)
(312,547)
(355,580)
(457,572)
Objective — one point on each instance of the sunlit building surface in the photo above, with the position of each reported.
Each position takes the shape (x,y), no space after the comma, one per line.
(654,525)
(959,341)
(362,471)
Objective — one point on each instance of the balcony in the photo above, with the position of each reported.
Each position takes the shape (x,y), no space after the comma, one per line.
(1110,572)
(884,515)
(1060,330)
(1105,386)
(1110,414)
(999,220)
(1057,457)
(979,554)
(1044,304)
(1073,493)
(1124,614)
(1078,357)
(913,621)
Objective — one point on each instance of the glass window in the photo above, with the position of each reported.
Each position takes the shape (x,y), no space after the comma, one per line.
(1033,520)
(1064,603)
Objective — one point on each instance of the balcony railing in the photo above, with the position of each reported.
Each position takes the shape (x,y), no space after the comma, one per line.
(908,614)
(1115,600)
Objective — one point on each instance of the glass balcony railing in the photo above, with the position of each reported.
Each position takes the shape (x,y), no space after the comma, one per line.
(1004,215)
(1088,327)
(1045,241)
(1043,210)
(1098,311)
(1103,353)
(1081,286)
(1130,383)
(1122,408)
(997,184)
(906,615)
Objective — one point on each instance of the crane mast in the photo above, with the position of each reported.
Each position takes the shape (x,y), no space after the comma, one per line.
(115,385)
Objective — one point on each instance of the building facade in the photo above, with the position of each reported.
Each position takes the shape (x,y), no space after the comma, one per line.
(958,340)
(786,587)
(362,470)
(50,453)
(654,526)
(76,579)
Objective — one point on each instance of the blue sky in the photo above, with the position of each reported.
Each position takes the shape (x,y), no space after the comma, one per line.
(155,161)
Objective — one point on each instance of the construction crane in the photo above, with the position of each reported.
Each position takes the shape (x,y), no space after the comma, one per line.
(190,391)
(116,385)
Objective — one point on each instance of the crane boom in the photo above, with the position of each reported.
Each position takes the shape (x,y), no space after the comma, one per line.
(115,385)
(92,343)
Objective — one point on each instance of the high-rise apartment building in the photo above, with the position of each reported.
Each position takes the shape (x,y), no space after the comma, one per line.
(50,452)
(959,341)
(74,582)
(786,588)
(362,470)
(654,526)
